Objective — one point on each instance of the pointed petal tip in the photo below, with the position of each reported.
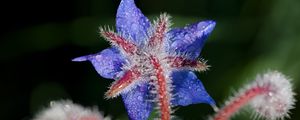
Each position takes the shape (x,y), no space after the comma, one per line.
(80,59)
(211,22)
(209,27)
(131,22)
(189,89)
(212,102)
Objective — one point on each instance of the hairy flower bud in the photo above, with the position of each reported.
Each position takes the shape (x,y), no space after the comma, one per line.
(270,96)
(67,110)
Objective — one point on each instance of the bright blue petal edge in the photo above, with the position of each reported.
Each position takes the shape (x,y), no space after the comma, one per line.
(191,38)
(188,89)
(131,22)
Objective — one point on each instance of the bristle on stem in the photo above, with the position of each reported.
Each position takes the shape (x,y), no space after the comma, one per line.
(226,112)
(162,90)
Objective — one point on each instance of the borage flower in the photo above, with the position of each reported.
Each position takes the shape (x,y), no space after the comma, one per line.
(151,63)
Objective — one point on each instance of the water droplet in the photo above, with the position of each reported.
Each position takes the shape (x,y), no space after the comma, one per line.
(67,107)
(140,98)
(270,94)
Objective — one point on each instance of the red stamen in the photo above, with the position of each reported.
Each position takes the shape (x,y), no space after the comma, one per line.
(128,78)
(181,62)
(237,103)
(164,100)
(127,46)
(160,31)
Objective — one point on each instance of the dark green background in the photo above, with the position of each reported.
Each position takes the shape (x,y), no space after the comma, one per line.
(40,37)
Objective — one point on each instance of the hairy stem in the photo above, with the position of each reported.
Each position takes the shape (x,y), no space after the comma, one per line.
(162,90)
(227,111)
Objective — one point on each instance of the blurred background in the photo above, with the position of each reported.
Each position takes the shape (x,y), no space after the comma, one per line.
(40,37)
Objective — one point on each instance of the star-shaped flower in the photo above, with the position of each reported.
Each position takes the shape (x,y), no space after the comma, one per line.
(152,64)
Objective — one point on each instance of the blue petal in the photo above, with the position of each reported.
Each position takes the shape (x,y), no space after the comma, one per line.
(107,63)
(190,39)
(189,90)
(137,103)
(131,22)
